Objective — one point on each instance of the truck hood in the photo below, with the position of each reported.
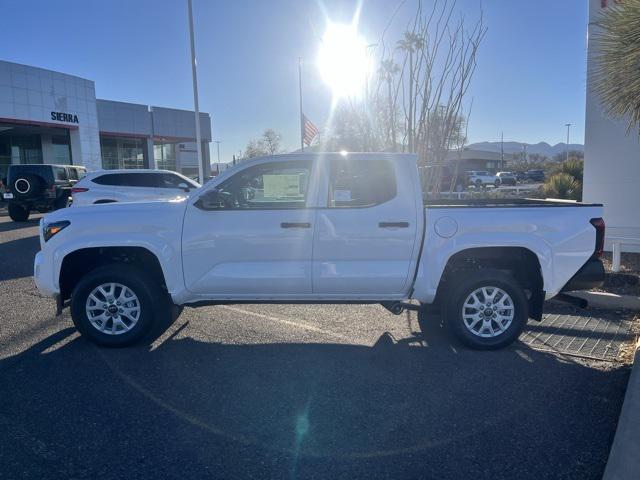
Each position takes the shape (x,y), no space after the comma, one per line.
(118,213)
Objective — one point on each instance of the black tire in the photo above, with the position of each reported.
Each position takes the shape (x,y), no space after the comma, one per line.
(18,213)
(61,202)
(479,183)
(463,286)
(26,186)
(152,301)
(496,183)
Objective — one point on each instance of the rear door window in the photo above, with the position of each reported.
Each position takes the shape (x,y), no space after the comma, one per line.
(366,183)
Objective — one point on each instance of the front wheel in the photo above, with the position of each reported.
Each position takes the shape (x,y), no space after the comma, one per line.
(117,305)
(486,309)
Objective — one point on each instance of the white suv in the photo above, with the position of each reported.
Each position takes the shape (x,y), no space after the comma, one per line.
(482,178)
(133,185)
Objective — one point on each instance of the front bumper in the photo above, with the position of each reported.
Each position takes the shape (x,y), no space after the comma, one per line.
(43,276)
(591,275)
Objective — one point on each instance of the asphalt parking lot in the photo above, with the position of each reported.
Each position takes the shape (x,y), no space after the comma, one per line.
(257,391)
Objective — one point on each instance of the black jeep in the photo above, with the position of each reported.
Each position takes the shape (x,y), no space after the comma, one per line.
(40,187)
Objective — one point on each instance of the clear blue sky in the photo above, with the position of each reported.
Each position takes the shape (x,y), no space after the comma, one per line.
(530,79)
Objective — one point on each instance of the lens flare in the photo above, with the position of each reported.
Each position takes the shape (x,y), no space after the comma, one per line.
(343,60)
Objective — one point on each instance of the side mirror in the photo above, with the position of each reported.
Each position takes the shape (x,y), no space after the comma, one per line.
(184,187)
(214,200)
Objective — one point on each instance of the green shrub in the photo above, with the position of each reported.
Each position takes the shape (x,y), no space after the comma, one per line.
(563,185)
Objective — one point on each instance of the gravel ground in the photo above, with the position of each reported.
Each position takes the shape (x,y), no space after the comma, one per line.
(627,281)
(257,391)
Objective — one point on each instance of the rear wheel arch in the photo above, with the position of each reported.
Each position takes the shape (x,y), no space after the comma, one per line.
(520,262)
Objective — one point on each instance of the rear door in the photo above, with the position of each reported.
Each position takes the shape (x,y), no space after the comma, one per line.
(365,234)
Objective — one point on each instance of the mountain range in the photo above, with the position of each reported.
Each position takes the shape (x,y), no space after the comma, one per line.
(542,148)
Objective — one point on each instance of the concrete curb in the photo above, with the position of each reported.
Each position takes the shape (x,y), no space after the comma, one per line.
(609,301)
(624,457)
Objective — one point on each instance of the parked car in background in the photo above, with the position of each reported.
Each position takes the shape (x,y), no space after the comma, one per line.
(319,228)
(521,176)
(133,185)
(507,178)
(535,175)
(450,181)
(482,178)
(40,187)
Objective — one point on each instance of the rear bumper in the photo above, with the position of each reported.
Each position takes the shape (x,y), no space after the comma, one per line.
(591,275)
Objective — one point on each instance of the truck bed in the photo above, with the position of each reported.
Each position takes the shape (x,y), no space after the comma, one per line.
(506,203)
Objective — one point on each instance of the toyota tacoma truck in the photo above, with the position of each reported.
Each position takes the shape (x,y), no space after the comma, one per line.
(318,228)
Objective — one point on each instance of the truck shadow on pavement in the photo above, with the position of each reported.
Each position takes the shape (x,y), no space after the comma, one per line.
(189,408)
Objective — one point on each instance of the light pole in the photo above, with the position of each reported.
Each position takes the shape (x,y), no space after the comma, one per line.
(218,142)
(195,93)
(568,125)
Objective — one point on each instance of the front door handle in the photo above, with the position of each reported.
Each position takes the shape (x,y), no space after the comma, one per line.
(393,224)
(295,225)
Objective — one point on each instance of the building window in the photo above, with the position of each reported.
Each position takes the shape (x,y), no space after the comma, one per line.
(165,155)
(122,152)
(61,149)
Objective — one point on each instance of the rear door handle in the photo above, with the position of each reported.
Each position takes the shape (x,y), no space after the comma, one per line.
(295,225)
(393,225)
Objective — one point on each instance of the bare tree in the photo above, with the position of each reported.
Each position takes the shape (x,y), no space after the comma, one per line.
(268,144)
(417,103)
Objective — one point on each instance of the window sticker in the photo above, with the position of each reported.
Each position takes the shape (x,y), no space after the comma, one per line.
(281,186)
(342,195)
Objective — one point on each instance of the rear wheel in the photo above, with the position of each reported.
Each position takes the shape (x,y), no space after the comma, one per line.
(486,309)
(117,305)
(18,213)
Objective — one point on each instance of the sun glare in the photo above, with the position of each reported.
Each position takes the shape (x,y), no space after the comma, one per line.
(343,60)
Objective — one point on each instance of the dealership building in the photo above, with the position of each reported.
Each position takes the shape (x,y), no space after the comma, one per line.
(611,156)
(52,117)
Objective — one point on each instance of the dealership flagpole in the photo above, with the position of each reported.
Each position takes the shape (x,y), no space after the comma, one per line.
(301,114)
(195,95)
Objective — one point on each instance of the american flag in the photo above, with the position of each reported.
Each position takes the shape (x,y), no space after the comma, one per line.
(310,130)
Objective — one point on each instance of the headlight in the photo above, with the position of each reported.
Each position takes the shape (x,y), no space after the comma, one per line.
(50,229)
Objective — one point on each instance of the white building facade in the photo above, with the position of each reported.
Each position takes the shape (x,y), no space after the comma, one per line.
(611,156)
(52,117)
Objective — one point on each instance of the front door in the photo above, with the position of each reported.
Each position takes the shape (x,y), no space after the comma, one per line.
(252,234)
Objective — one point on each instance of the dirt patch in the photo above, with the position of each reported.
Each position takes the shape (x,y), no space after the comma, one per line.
(625,282)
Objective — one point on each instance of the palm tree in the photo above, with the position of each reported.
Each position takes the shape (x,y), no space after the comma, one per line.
(388,70)
(617,76)
(411,43)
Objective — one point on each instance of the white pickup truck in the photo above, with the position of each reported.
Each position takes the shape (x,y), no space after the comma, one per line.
(320,228)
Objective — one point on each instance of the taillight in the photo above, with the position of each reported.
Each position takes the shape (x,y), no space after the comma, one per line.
(79,190)
(598,223)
